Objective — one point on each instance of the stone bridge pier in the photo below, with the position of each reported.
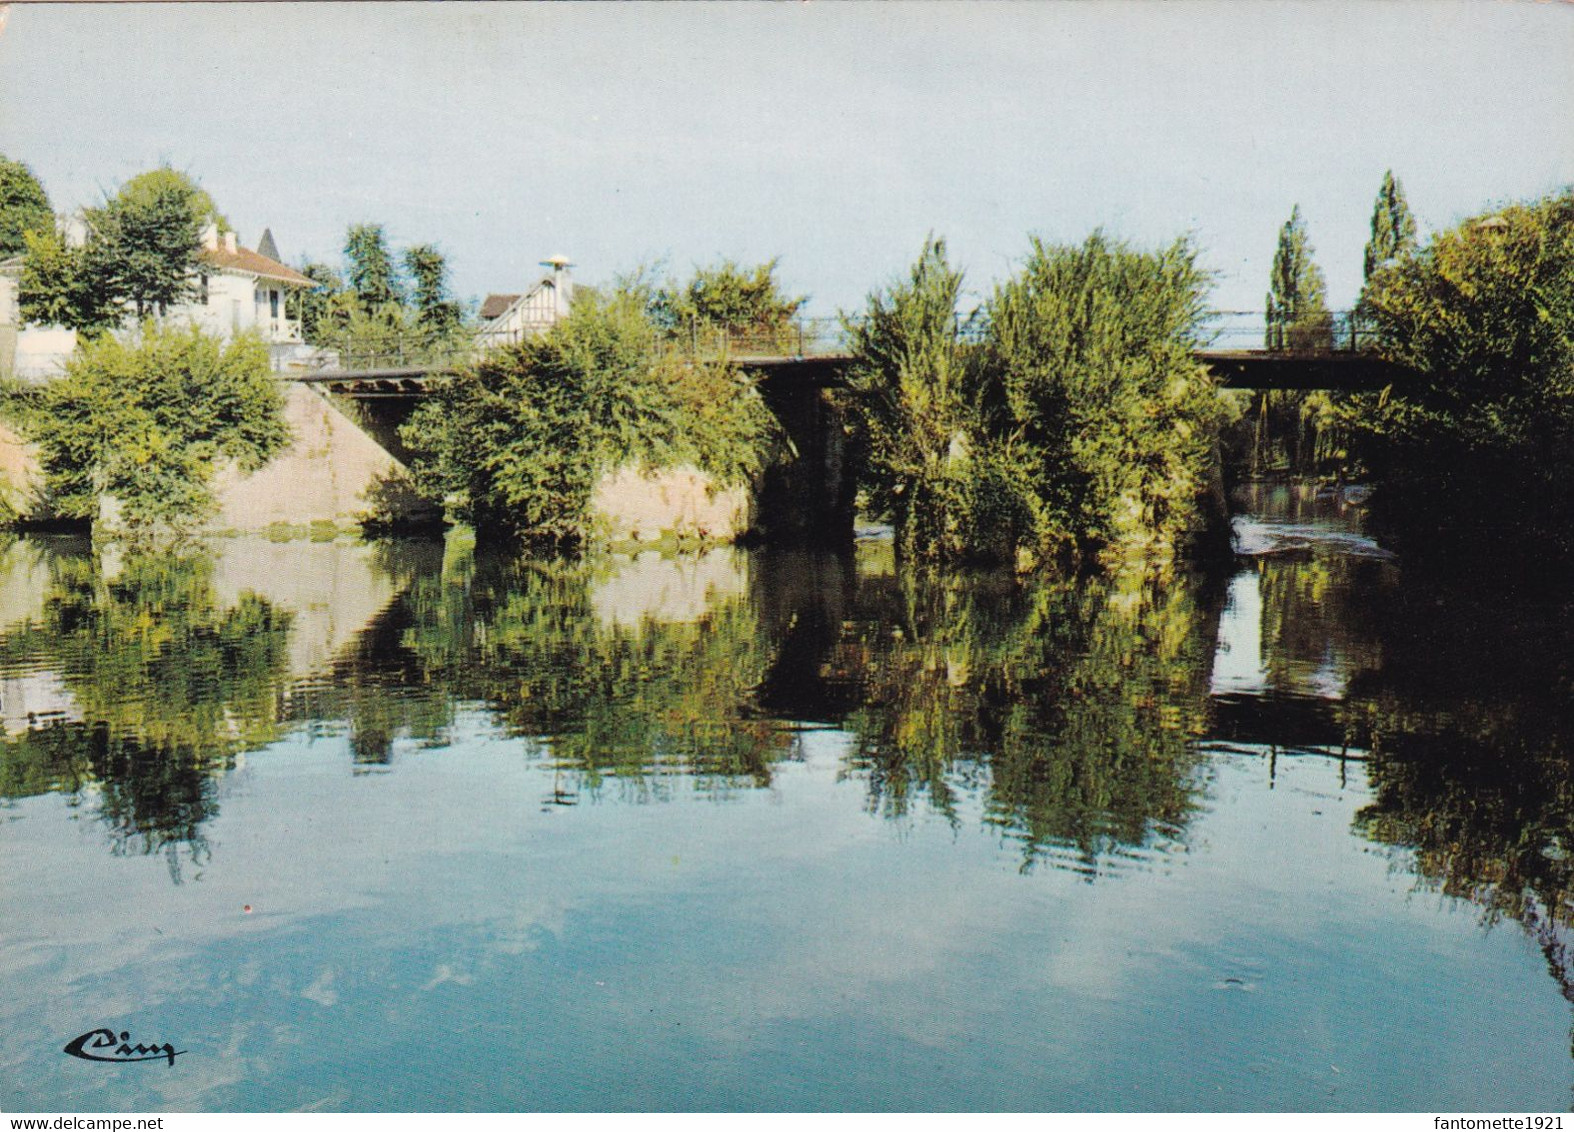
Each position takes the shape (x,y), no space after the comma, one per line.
(807,497)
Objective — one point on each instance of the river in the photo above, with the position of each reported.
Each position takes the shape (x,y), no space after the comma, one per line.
(400,826)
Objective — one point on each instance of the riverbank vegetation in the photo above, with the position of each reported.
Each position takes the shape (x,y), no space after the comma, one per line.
(1071,422)
(147,419)
(1481,439)
(517,441)
(1064,421)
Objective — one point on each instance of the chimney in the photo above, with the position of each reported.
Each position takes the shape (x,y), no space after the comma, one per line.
(562,282)
(210,237)
(229,242)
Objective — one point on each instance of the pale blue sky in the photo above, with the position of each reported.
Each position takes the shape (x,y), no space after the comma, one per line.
(833,135)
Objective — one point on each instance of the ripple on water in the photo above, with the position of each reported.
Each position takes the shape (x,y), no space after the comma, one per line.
(1256,538)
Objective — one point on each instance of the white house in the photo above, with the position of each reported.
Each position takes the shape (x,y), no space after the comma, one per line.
(512,318)
(33,353)
(10,270)
(236,290)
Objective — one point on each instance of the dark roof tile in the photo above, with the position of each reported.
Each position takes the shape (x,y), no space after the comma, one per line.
(496,305)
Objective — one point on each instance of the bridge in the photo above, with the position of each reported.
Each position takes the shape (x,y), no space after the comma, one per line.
(811,498)
(1335,352)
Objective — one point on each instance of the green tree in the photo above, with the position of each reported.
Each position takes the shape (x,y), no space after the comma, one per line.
(1281,429)
(436,312)
(149,421)
(1297,310)
(370,269)
(24,207)
(145,190)
(742,303)
(1393,228)
(1080,426)
(144,242)
(59,285)
(913,384)
(518,440)
(1108,420)
(1482,437)
(316,304)
(141,255)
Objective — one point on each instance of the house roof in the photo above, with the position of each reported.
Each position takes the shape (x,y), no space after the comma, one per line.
(495,305)
(266,246)
(253,263)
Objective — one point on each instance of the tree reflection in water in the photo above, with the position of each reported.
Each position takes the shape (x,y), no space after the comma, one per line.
(1065,713)
(1072,705)
(1472,763)
(640,703)
(165,688)
(1068,707)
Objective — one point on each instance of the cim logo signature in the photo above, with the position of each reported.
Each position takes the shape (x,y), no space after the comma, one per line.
(103,1045)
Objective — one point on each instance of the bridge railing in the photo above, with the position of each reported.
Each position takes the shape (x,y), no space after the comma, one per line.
(395,350)
(1341,331)
(796,338)
(804,337)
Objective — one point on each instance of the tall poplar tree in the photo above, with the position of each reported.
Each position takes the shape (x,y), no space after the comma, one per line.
(435,309)
(1393,228)
(372,274)
(317,303)
(1297,306)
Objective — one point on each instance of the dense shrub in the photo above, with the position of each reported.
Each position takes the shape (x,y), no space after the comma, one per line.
(1095,359)
(149,418)
(517,441)
(1080,425)
(915,392)
(746,304)
(1482,437)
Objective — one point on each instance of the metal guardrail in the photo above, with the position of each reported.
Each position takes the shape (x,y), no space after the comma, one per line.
(1335,331)
(800,338)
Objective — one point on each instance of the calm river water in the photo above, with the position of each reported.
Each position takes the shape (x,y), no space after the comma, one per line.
(398,826)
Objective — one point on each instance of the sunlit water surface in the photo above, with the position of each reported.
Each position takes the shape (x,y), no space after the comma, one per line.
(397,827)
